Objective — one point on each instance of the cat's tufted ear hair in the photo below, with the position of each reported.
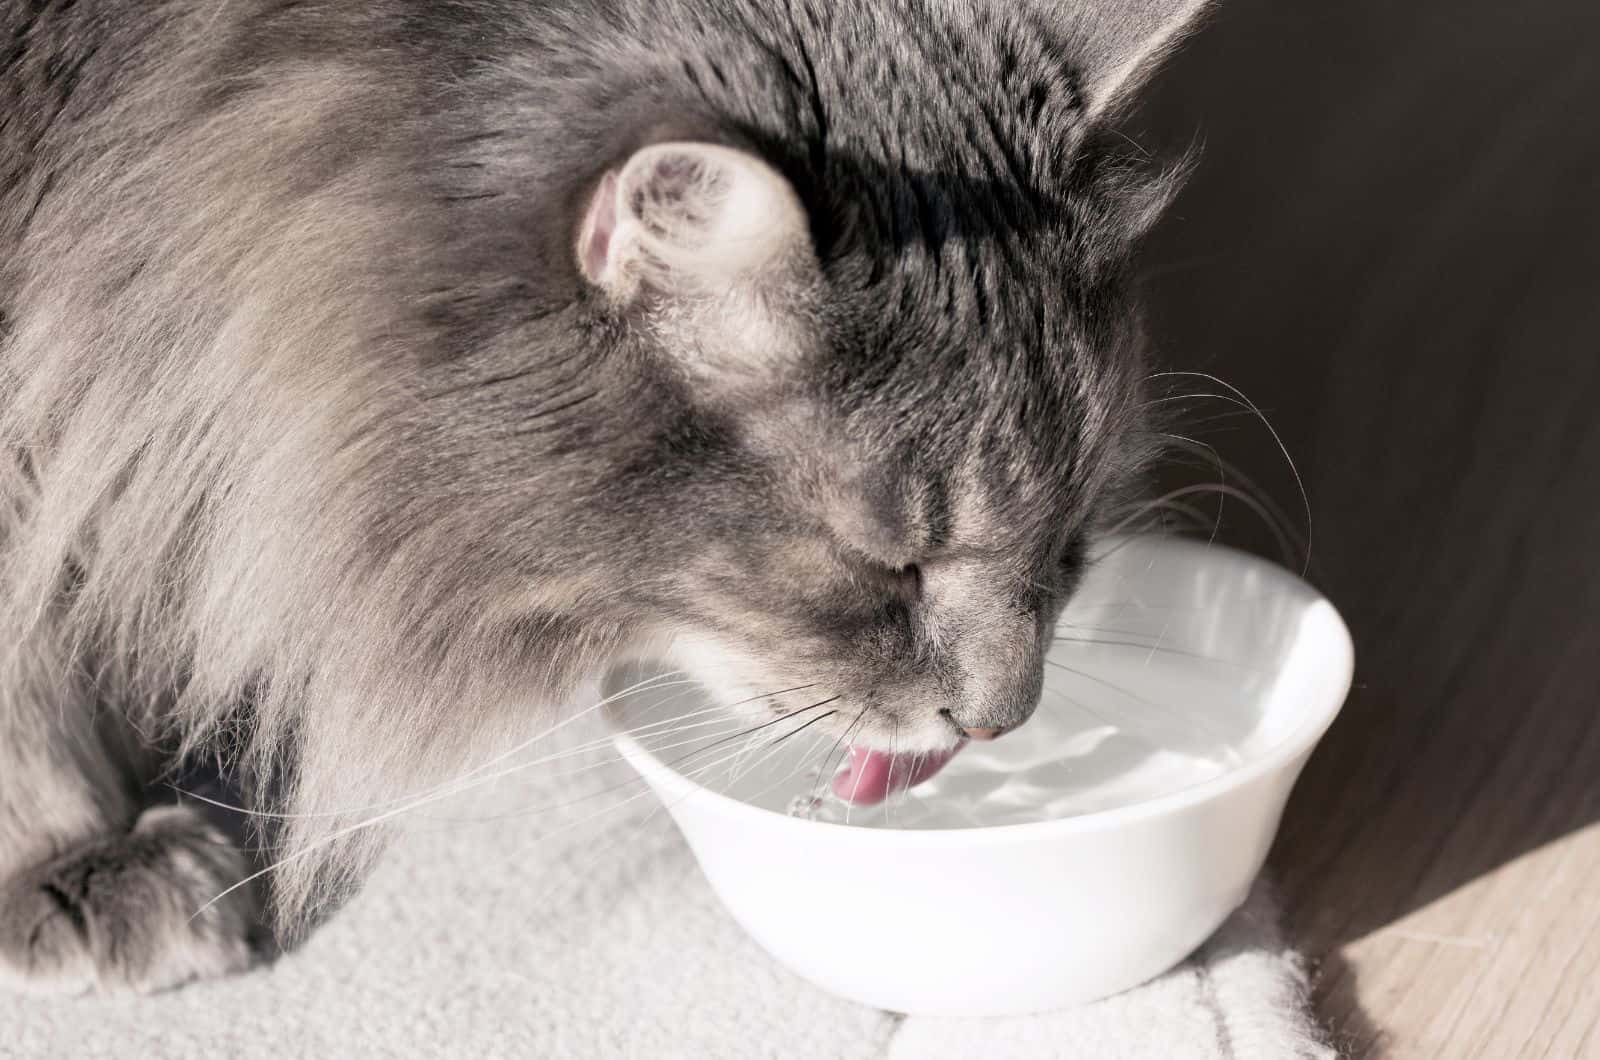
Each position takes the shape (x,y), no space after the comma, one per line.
(691,218)
(1117,44)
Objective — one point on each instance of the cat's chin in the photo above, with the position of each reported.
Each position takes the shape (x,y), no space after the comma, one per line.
(887,754)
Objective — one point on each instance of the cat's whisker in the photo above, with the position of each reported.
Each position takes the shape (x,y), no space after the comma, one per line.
(693,775)
(459,786)
(755,728)
(855,787)
(894,746)
(648,684)
(773,747)
(1155,502)
(598,745)
(323,841)
(450,787)
(1082,706)
(742,768)
(1167,399)
(1221,468)
(1092,642)
(770,748)
(829,766)
(795,770)
(674,724)
(1041,586)
(1238,396)
(654,749)
(1159,513)
(612,761)
(800,765)
(823,772)
(1279,519)
(633,780)
(718,738)
(735,773)
(667,725)
(1112,630)
(690,772)
(1193,722)
(1249,501)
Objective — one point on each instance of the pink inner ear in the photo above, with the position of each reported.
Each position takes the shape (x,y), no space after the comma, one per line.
(594,245)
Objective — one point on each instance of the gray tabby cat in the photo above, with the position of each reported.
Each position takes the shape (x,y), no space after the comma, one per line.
(372,370)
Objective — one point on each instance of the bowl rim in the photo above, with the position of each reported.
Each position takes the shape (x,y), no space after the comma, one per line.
(1298,741)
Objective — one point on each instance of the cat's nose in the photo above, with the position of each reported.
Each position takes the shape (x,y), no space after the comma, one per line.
(982,734)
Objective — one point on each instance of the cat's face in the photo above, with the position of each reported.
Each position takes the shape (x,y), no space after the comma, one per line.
(904,448)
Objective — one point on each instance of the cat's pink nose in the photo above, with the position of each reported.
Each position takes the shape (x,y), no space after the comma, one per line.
(982,734)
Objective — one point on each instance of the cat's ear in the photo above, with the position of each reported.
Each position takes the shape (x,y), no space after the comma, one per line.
(1119,43)
(691,218)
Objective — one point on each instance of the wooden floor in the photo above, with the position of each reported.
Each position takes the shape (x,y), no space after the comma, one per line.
(1393,246)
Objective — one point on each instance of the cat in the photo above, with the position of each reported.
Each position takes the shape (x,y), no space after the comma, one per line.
(374,370)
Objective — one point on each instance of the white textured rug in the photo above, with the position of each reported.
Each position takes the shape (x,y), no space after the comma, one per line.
(503,927)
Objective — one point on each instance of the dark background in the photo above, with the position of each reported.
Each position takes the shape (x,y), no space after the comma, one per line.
(1392,245)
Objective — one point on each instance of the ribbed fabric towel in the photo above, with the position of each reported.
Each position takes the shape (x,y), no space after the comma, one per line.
(507,925)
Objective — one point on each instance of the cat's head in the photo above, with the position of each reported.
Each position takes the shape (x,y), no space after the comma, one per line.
(859,373)
(906,442)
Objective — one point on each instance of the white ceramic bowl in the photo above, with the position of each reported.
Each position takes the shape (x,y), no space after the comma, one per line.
(1035,916)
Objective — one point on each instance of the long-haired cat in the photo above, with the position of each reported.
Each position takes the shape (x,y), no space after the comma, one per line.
(374,371)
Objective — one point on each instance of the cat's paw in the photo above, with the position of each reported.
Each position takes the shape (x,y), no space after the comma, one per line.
(124,914)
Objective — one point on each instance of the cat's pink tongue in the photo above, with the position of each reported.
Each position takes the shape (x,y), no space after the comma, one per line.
(873,775)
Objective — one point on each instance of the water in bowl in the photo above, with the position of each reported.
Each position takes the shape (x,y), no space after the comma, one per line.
(1118,724)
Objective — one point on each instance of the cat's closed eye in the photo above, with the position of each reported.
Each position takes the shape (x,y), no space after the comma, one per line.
(909,578)
(901,583)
